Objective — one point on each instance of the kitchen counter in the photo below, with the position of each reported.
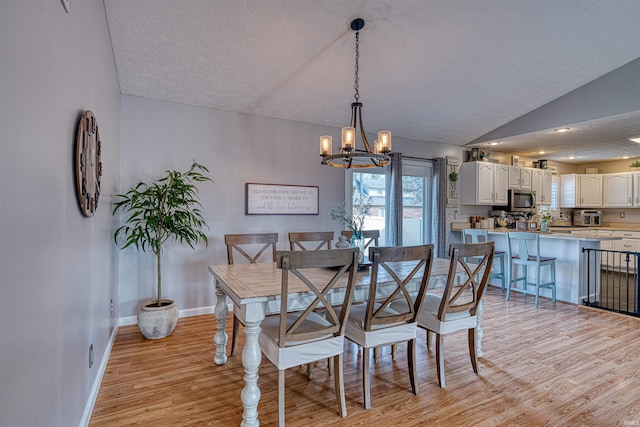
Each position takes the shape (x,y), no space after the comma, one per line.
(568,250)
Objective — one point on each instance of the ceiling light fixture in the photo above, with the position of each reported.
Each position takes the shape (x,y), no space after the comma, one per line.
(635,139)
(349,156)
(561,130)
(541,152)
(494,143)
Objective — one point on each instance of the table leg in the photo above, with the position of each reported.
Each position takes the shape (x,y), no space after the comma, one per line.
(479,331)
(220,338)
(251,357)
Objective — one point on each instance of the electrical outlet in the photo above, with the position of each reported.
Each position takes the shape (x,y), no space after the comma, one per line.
(621,214)
(90,356)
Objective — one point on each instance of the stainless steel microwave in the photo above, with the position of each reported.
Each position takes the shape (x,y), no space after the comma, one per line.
(521,201)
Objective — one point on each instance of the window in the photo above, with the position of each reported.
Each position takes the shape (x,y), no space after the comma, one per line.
(417,178)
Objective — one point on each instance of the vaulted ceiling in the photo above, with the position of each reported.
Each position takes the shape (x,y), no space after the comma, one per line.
(452,71)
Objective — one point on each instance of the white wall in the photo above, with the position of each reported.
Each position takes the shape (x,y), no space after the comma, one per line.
(58,269)
(237,148)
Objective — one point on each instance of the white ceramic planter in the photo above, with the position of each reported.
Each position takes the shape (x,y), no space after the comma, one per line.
(157,322)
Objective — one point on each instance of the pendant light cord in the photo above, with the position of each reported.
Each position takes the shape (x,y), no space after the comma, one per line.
(356,84)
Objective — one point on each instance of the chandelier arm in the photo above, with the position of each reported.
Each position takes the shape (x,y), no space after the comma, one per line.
(362,133)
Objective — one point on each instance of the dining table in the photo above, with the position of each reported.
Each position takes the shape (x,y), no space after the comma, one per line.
(255,292)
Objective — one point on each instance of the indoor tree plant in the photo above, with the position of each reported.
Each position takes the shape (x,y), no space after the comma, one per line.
(167,208)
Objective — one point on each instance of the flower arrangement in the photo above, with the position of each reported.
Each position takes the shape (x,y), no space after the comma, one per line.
(353,220)
(635,164)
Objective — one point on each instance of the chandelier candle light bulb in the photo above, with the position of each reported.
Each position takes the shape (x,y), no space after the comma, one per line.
(326,143)
(348,138)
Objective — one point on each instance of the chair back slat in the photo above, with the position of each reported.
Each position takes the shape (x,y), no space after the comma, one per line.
(299,266)
(321,239)
(474,235)
(371,237)
(245,244)
(528,244)
(387,260)
(465,294)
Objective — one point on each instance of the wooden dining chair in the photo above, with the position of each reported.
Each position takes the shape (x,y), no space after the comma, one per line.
(303,336)
(390,318)
(321,240)
(252,247)
(371,237)
(457,308)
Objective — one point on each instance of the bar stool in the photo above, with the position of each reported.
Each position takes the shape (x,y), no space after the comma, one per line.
(473,235)
(529,256)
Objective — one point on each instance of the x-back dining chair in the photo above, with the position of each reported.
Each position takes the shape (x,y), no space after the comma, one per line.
(253,247)
(304,336)
(457,308)
(321,240)
(390,317)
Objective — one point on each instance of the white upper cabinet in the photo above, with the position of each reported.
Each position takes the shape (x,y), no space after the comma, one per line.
(581,191)
(541,184)
(636,190)
(483,183)
(520,178)
(617,190)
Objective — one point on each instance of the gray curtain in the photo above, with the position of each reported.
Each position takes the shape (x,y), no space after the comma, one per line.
(439,226)
(394,190)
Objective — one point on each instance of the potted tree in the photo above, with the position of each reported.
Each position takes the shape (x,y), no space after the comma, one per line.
(167,208)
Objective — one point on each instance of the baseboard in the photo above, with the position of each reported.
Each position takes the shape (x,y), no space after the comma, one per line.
(123,321)
(188,312)
(88,410)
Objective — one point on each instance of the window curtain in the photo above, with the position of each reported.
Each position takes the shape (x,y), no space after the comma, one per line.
(393,224)
(439,203)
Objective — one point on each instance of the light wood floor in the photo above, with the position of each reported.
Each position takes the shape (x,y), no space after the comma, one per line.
(557,365)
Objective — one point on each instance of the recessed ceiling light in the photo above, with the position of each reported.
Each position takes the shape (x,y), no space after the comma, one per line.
(494,143)
(625,157)
(541,152)
(562,130)
(635,139)
(572,157)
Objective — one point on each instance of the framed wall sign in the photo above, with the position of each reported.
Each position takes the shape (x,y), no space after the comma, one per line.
(274,199)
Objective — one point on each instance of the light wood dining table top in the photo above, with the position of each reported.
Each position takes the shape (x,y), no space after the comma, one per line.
(260,281)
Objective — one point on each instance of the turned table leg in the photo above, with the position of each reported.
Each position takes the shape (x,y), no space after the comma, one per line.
(479,331)
(220,338)
(251,357)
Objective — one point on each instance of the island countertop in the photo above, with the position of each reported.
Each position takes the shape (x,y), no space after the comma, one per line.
(557,235)
(568,250)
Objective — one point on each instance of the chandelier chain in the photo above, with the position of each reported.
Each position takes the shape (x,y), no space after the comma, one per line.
(356,84)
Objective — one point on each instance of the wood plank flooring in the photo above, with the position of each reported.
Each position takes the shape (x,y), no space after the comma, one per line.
(556,365)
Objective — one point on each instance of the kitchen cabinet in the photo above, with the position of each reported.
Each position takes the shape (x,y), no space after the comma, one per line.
(617,190)
(519,178)
(484,183)
(581,190)
(630,243)
(636,190)
(541,184)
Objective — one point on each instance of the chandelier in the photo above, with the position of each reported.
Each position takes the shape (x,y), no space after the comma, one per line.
(349,156)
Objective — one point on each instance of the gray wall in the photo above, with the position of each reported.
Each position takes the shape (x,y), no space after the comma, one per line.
(58,269)
(237,148)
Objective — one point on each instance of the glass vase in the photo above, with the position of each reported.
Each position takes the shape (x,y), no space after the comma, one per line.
(544,225)
(358,243)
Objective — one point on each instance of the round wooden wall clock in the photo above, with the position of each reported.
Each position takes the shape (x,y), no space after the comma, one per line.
(88,164)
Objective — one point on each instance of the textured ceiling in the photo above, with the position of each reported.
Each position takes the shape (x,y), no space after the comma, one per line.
(441,70)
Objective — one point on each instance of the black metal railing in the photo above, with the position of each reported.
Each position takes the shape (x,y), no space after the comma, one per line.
(612,280)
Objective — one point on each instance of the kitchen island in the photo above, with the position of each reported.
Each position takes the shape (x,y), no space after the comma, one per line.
(567,249)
